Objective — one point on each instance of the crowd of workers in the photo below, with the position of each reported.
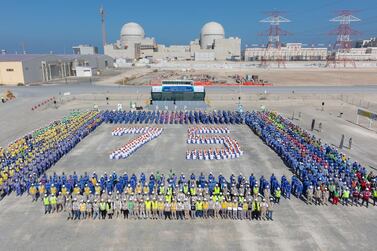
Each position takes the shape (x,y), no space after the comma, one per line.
(159,196)
(30,156)
(146,134)
(322,173)
(195,135)
(179,117)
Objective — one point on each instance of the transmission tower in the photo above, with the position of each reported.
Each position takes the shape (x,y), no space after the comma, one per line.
(274,43)
(343,42)
(102,13)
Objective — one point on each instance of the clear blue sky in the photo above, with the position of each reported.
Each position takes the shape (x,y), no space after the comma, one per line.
(45,25)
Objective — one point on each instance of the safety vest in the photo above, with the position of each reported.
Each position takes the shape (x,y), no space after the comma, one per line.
(32,190)
(168,198)
(138,189)
(98,190)
(346,194)
(76,190)
(155,205)
(185,189)
(170,191)
(87,190)
(42,189)
(53,190)
(162,190)
(221,198)
(205,205)
(148,204)
(46,201)
(277,193)
(64,191)
(255,190)
(375,193)
(146,189)
(53,200)
(192,191)
(108,206)
(256,206)
(102,206)
(82,207)
(160,206)
(245,206)
(241,199)
(224,205)
(199,206)
(216,190)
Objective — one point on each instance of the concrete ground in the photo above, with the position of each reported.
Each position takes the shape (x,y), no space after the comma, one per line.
(297,226)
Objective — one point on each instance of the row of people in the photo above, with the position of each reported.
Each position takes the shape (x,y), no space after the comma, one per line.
(180,206)
(158,184)
(166,117)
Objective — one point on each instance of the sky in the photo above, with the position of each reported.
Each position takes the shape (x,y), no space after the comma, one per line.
(43,26)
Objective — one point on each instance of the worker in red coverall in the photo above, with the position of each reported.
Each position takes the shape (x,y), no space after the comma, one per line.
(366,196)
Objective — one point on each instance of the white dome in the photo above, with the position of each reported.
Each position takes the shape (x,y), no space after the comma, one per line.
(210,32)
(213,28)
(132,30)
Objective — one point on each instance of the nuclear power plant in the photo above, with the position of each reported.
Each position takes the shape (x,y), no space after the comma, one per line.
(211,45)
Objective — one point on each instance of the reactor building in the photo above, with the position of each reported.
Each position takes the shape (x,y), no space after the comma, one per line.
(211,45)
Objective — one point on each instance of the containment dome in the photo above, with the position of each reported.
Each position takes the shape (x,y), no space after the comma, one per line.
(210,31)
(132,30)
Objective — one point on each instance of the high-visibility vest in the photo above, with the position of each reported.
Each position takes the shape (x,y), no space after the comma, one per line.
(42,189)
(224,205)
(53,190)
(146,189)
(199,206)
(32,190)
(168,198)
(375,193)
(256,206)
(53,200)
(205,205)
(64,191)
(76,190)
(162,190)
(277,193)
(87,190)
(102,206)
(346,194)
(241,199)
(82,207)
(46,201)
(216,190)
(160,206)
(192,191)
(98,190)
(185,189)
(170,191)
(155,205)
(245,206)
(255,190)
(148,204)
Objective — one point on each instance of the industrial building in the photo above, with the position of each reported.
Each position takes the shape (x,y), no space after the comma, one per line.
(212,45)
(84,49)
(289,52)
(31,68)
